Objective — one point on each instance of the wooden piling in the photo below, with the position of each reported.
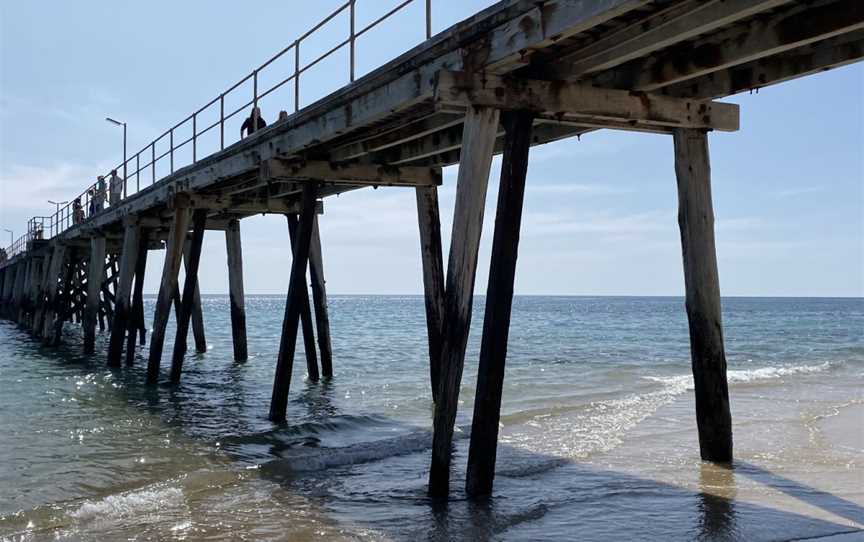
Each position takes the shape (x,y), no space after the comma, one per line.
(478,140)
(429,220)
(197,312)
(122,303)
(35,288)
(288,342)
(696,222)
(173,257)
(18,292)
(233,246)
(96,274)
(305,310)
(41,302)
(319,299)
(136,318)
(63,301)
(24,296)
(190,287)
(58,258)
(499,300)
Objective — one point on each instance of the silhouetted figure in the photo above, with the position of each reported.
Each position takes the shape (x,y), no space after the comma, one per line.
(77,211)
(116,186)
(253,123)
(98,201)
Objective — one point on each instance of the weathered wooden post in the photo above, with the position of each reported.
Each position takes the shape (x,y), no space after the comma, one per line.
(197,312)
(428,218)
(696,221)
(96,274)
(58,258)
(305,310)
(24,296)
(478,141)
(173,260)
(233,246)
(319,299)
(190,286)
(41,303)
(136,318)
(288,342)
(18,292)
(63,302)
(35,288)
(499,300)
(122,308)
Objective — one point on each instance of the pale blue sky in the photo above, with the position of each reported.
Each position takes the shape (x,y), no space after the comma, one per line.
(600,214)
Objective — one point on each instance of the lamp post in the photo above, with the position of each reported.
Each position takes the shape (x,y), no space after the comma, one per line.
(11,237)
(123,124)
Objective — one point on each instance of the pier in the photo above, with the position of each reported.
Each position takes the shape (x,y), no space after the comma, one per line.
(513,76)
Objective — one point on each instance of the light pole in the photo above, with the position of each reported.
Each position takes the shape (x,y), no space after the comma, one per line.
(11,237)
(123,124)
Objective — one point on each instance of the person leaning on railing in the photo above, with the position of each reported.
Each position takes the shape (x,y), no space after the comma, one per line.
(253,123)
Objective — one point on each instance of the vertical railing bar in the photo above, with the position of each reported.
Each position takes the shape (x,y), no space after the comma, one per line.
(171,148)
(153,162)
(222,121)
(428,19)
(255,88)
(297,76)
(138,171)
(195,137)
(352,40)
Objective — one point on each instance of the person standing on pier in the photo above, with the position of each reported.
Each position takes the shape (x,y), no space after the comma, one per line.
(77,211)
(97,203)
(116,185)
(253,123)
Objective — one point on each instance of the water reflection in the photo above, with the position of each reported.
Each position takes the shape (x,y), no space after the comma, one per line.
(716,502)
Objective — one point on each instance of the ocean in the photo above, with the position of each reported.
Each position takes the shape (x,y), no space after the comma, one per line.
(598,437)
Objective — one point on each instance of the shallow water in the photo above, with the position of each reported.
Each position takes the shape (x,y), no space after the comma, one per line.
(598,434)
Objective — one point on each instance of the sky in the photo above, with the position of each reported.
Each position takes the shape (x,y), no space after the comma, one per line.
(600,214)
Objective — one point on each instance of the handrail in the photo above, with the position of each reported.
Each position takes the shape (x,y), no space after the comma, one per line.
(94,197)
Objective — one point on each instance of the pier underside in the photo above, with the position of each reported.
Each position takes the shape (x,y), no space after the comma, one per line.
(516,75)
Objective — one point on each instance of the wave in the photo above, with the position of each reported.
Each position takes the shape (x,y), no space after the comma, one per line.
(132,503)
(746,376)
(542,441)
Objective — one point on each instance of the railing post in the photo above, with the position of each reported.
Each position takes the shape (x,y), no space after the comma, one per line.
(351,39)
(138,171)
(428,19)
(153,162)
(255,88)
(194,138)
(171,149)
(222,121)
(297,76)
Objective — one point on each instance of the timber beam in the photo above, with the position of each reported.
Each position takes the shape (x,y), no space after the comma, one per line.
(801,24)
(351,175)
(575,102)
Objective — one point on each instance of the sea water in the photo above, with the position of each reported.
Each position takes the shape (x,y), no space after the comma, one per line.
(598,437)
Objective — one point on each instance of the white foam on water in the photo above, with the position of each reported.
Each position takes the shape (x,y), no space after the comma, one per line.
(744,376)
(545,439)
(548,439)
(132,503)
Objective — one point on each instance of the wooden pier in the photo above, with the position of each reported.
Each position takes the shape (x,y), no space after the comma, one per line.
(516,75)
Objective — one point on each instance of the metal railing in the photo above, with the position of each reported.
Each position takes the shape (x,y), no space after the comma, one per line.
(92,200)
